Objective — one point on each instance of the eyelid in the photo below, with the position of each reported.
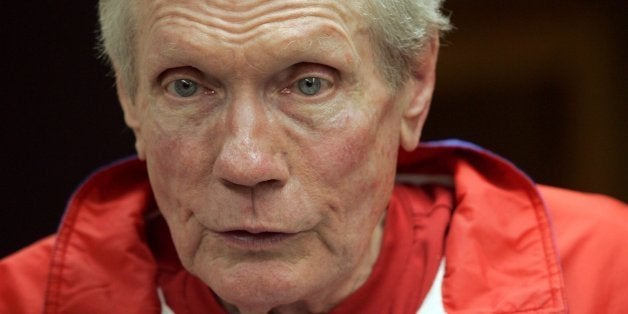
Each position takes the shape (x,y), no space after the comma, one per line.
(328,76)
(170,76)
(187,73)
(305,70)
(173,74)
(171,88)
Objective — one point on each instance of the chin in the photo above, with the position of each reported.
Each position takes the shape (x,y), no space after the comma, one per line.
(265,286)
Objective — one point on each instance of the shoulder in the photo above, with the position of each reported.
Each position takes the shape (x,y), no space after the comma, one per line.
(24,276)
(587,221)
(591,231)
(577,214)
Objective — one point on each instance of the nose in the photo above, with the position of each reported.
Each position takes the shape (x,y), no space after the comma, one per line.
(252,151)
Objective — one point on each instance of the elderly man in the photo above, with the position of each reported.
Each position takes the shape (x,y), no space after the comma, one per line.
(268,180)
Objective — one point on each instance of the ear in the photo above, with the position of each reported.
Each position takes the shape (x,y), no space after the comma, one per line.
(131,115)
(418,90)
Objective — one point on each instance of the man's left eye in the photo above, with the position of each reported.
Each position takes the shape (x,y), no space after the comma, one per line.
(183,88)
(310,86)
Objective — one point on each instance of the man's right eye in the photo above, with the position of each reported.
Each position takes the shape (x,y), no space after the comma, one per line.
(183,88)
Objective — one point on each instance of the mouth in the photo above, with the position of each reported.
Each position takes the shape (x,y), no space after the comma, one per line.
(256,241)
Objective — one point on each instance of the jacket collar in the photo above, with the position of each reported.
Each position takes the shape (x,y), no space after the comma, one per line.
(501,255)
(100,262)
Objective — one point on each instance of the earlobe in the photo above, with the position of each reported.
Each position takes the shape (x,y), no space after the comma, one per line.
(418,90)
(131,115)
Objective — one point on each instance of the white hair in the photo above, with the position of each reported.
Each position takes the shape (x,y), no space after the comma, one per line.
(399,30)
(116,40)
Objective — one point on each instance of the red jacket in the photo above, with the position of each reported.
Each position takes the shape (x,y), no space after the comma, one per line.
(509,246)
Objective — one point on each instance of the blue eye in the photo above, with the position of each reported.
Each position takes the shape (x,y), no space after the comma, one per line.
(310,86)
(184,87)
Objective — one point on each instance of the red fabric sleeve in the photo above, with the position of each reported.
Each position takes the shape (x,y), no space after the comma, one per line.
(23,278)
(592,235)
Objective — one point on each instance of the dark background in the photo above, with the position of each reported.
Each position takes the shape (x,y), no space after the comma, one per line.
(543,83)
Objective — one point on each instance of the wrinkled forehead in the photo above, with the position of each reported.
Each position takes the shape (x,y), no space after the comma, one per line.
(244,15)
(325,31)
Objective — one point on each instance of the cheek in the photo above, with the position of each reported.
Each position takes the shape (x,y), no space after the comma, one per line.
(164,162)
(162,154)
(177,141)
(357,162)
(170,180)
(172,163)
(163,165)
(358,145)
(177,158)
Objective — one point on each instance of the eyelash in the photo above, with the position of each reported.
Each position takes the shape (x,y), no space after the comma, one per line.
(326,85)
(170,88)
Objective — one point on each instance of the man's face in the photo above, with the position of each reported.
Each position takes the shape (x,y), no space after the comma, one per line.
(270,141)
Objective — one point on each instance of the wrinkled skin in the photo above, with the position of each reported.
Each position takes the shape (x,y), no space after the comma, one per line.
(275,198)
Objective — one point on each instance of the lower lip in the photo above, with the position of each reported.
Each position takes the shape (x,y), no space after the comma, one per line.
(257,241)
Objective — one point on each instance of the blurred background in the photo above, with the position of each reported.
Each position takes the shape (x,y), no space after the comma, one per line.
(542,83)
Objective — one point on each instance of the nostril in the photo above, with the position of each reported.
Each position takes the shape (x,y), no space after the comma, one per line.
(235,186)
(268,185)
(272,183)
